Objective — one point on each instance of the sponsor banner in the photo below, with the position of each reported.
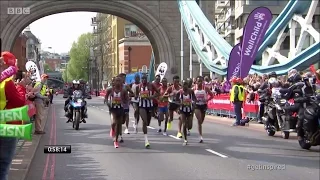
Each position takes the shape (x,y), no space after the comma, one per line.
(256,27)
(234,62)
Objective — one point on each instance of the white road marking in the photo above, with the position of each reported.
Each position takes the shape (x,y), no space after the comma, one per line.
(216,153)
(150,127)
(174,137)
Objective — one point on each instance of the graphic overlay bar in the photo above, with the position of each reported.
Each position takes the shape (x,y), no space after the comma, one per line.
(57,149)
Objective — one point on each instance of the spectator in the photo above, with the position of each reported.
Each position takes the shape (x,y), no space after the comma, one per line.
(11,97)
(40,94)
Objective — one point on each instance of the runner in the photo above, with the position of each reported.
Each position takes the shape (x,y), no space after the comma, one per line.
(163,107)
(126,106)
(157,84)
(173,105)
(144,93)
(201,93)
(190,86)
(185,96)
(135,102)
(118,97)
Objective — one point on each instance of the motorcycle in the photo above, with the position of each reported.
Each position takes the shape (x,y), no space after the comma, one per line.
(278,114)
(311,123)
(77,103)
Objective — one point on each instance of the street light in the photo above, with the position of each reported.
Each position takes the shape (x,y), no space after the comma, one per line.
(129,49)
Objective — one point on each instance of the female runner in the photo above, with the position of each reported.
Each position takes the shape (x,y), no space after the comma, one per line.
(185,96)
(201,93)
(118,97)
(144,92)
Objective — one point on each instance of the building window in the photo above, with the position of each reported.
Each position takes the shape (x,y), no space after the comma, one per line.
(127,32)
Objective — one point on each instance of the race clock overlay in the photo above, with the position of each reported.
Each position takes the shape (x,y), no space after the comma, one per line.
(57,149)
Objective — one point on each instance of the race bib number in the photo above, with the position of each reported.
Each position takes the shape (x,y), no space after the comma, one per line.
(116,101)
(144,94)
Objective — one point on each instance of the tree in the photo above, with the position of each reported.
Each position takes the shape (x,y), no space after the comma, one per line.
(47,68)
(79,58)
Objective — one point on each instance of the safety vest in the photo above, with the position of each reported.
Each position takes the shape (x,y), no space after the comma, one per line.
(43,89)
(51,90)
(241,93)
(3,99)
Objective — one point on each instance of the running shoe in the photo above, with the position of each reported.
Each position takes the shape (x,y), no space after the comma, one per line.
(159,131)
(169,125)
(121,140)
(116,144)
(185,143)
(147,145)
(126,131)
(188,133)
(165,134)
(179,135)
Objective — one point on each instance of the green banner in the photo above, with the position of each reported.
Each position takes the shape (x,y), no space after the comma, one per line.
(17,131)
(17,114)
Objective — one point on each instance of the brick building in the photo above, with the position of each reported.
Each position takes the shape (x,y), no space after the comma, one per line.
(134,52)
(19,50)
(54,64)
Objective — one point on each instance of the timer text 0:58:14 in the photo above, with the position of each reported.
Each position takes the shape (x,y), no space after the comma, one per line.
(57,149)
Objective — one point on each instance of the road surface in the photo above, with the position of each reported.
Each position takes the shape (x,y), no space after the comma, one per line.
(229,153)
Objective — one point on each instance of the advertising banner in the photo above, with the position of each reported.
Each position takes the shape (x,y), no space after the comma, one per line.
(257,25)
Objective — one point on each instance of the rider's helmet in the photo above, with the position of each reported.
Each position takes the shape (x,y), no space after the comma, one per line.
(75,83)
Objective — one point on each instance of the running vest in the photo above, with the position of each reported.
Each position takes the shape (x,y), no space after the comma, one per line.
(201,96)
(3,99)
(241,93)
(144,95)
(134,88)
(163,102)
(172,98)
(115,100)
(43,90)
(186,102)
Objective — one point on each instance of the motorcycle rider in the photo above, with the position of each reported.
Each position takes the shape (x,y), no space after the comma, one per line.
(68,109)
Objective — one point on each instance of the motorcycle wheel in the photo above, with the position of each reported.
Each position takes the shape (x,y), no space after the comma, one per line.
(77,120)
(303,144)
(270,132)
(285,135)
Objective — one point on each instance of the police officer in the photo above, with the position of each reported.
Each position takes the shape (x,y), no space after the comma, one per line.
(237,96)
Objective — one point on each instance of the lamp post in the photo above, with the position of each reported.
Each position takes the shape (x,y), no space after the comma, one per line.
(129,60)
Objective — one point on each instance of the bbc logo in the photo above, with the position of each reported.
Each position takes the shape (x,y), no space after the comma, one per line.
(18,10)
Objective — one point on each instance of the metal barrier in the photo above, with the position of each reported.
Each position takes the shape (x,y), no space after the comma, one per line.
(220,105)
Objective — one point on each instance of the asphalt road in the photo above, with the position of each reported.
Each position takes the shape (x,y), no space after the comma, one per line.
(229,153)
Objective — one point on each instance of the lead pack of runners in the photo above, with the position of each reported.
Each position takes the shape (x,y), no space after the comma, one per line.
(160,100)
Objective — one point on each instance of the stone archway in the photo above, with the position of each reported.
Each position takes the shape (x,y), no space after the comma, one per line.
(132,11)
